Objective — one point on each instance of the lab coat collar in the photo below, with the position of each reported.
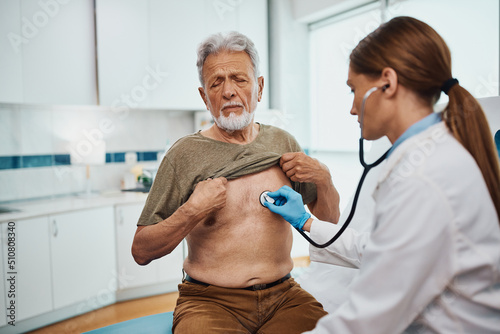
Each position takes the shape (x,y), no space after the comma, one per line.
(416,128)
(421,145)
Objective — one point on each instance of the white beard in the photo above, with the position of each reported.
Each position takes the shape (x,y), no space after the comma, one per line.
(234,122)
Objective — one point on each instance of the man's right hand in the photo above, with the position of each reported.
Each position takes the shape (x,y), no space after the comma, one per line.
(154,241)
(209,196)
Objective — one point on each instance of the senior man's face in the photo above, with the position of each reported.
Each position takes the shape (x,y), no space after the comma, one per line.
(231,92)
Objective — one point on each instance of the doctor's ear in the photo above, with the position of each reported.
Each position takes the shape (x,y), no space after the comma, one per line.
(389,78)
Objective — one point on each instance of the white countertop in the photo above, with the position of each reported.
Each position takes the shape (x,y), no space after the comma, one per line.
(36,208)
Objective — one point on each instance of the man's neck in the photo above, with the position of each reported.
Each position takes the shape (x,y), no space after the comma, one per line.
(242,137)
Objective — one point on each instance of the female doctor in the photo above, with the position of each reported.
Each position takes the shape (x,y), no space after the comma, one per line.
(432,260)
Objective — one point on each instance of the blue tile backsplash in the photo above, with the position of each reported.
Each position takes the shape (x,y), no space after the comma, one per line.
(10,162)
(45,160)
(37,141)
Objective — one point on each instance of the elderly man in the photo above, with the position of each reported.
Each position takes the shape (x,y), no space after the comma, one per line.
(207,190)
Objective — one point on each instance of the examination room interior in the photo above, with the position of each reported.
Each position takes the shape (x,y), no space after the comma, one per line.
(93,93)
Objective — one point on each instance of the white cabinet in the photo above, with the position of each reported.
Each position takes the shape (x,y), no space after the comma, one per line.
(123,53)
(31,269)
(74,262)
(170,266)
(131,275)
(11,62)
(147,49)
(48,52)
(83,258)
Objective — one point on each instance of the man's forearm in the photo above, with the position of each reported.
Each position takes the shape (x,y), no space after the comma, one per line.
(326,205)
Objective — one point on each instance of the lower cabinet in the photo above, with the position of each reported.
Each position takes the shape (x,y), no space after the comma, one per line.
(57,266)
(26,259)
(65,264)
(161,275)
(83,263)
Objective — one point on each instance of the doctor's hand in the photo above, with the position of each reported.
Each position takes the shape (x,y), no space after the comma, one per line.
(288,204)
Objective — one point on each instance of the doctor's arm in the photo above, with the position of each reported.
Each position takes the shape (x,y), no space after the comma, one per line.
(301,168)
(345,251)
(403,269)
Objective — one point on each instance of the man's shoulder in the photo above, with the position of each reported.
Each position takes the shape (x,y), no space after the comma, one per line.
(190,142)
(271,130)
(188,138)
(274,134)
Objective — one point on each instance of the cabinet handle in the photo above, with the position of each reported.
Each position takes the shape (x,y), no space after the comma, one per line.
(120,220)
(54,228)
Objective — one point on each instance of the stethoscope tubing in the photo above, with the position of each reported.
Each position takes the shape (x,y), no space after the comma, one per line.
(367,168)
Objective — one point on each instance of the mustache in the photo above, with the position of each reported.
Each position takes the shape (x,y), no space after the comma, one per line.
(232,104)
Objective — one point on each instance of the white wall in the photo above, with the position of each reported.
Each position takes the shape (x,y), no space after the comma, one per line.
(288,70)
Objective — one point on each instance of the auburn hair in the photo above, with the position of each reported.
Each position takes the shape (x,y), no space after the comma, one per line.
(422,60)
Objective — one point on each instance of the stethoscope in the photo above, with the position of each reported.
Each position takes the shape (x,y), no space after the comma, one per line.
(367,168)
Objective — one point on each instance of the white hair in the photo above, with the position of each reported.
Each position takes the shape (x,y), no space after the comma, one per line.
(232,41)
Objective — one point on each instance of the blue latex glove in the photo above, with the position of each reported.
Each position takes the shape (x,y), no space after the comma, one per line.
(288,204)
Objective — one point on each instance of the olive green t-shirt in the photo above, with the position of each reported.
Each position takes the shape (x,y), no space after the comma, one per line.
(195,158)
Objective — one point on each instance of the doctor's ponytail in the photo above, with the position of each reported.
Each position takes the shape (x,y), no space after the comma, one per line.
(466,120)
(422,61)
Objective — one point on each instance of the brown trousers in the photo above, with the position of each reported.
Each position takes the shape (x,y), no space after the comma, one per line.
(284,308)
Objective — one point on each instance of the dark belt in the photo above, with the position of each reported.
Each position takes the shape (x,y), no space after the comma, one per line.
(252,287)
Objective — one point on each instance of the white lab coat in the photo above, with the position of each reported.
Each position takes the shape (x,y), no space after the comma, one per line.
(432,260)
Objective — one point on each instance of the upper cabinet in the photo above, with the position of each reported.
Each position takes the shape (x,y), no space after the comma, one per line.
(147,49)
(47,52)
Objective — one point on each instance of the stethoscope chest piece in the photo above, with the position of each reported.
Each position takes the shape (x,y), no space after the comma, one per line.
(264,197)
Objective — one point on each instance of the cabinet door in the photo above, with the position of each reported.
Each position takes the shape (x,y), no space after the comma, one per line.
(11,58)
(177,28)
(48,55)
(168,268)
(131,274)
(83,258)
(31,270)
(123,53)
(176,52)
(147,49)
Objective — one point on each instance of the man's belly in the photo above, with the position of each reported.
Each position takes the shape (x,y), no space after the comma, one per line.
(244,243)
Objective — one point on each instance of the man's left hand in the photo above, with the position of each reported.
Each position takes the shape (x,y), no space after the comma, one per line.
(300,167)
